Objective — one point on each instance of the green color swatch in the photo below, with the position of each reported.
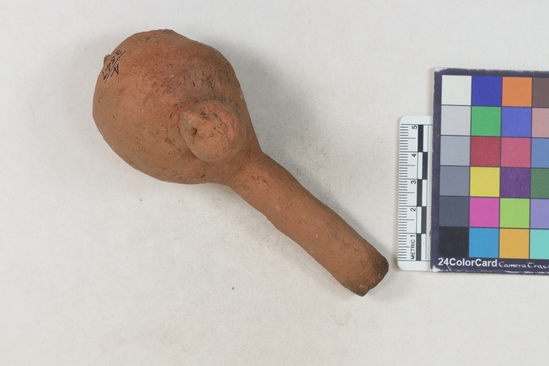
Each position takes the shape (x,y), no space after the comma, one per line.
(514,213)
(540,183)
(486,121)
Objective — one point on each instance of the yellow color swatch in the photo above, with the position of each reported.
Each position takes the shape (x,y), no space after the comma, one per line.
(514,243)
(484,182)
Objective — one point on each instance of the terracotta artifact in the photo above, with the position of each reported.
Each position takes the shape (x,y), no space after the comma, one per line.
(173,109)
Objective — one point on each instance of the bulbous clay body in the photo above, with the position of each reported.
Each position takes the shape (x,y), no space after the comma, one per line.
(173,109)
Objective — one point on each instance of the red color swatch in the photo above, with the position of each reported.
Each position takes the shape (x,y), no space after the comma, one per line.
(485,151)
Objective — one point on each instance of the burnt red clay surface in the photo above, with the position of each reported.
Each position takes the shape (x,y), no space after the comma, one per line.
(173,109)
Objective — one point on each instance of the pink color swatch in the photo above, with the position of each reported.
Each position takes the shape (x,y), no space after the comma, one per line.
(515,152)
(484,212)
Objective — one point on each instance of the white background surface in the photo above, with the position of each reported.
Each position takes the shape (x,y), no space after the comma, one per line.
(103,265)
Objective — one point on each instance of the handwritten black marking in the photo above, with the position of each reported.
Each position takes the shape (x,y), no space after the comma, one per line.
(113,66)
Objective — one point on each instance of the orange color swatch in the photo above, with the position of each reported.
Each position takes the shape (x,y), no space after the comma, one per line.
(514,243)
(517,92)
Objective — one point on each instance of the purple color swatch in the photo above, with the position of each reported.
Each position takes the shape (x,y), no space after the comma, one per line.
(515,182)
(539,214)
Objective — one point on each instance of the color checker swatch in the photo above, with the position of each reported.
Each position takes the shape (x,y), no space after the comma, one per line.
(490,202)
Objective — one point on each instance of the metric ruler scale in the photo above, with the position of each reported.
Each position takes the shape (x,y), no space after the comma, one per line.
(414,193)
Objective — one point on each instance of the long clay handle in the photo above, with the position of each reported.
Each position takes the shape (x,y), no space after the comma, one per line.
(272,190)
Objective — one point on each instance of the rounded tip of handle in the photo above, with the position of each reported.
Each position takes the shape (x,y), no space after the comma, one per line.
(371,275)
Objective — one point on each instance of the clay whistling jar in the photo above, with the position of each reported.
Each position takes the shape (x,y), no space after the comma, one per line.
(173,109)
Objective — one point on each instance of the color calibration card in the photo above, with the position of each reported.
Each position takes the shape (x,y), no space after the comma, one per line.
(490,178)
